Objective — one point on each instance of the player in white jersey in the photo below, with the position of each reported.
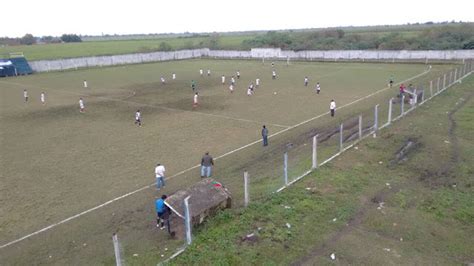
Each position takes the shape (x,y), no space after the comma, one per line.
(249,91)
(208,72)
(25,95)
(238,74)
(332,107)
(43,98)
(81,105)
(174,76)
(201,72)
(232,80)
(274,74)
(257,82)
(195,100)
(223,80)
(306,81)
(163,81)
(231,88)
(318,88)
(138,118)
(85,83)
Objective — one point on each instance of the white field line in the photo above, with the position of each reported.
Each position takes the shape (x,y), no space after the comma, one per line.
(147,105)
(193,167)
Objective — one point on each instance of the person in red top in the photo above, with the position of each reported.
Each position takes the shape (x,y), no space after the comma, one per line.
(402,90)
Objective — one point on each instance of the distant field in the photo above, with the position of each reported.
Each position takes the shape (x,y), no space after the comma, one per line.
(225,41)
(69,50)
(57,162)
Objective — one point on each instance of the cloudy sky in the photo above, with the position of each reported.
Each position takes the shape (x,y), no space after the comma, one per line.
(94,17)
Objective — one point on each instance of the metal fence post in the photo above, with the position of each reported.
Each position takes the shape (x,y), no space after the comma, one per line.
(389,119)
(360,127)
(376,120)
(341,133)
(315,152)
(437,88)
(285,168)
(444,81)
(118,255)
(187,221)
(450,78)
(402,105)
(431,89)
(246,188)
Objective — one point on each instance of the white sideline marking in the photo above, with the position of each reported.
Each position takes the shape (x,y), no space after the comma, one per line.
(194,167)
(147,105)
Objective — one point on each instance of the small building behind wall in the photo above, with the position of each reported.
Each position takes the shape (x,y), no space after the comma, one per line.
(207,197)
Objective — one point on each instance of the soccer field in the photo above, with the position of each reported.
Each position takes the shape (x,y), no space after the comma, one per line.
(57,162)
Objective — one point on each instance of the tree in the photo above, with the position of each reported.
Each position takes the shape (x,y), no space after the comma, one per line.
(28,39)
(70,38)
(164,46)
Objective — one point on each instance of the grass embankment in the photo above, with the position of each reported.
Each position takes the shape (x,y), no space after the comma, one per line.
(364,207)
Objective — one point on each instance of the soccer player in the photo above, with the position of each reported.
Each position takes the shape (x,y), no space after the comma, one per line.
(249,91)
(25,95)
(390,82)
(238,74)
(138,118)
(162,80)
(332,108)
(273,64)
(208,72)
(85,83)
(160,176)
(251,86)
(174,76)
(265,135)
(81,105)
(231,88)
(232,80)
(193,85)
(195,100)
(274,74)
(43,98)
(318,88)
(201,72)
(257,82)
(306,81)
(223,80)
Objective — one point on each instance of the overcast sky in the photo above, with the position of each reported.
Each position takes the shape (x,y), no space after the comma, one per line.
(94,17)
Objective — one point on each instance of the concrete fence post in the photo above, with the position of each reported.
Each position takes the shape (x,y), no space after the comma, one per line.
(285,168)
(315,152)
(402,105)
(455,75)
(246,189)
(360,127)
(187,221)
(117,251)
(341,134)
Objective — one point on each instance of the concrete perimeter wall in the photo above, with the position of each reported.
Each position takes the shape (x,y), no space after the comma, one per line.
(256,53)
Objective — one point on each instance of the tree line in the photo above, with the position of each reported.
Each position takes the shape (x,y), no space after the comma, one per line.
(29,39)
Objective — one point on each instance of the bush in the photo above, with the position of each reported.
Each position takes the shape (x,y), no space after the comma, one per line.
(70,38)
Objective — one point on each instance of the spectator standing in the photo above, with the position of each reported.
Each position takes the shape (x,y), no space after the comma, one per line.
(206,165)
(160,176)
(265,135)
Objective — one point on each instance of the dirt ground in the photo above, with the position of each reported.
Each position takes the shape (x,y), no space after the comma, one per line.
(57,163)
